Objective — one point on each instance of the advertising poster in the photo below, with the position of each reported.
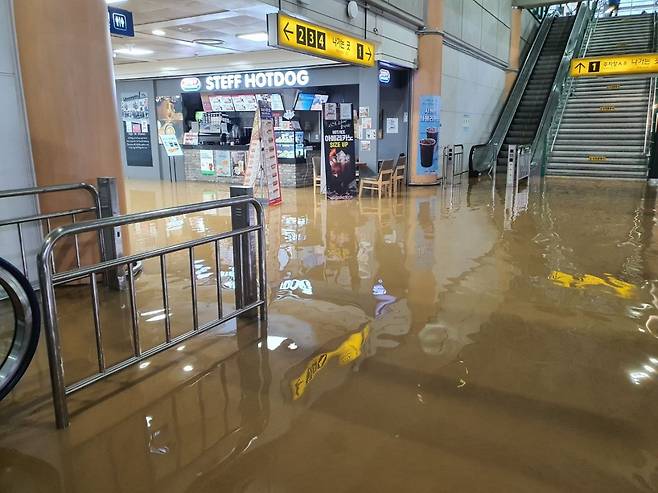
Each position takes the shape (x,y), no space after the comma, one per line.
(427,163)
(262,158)
(171,145)
(136,131)
(223,163)
(207,162)
(270,160)
(339,152)
(170,115)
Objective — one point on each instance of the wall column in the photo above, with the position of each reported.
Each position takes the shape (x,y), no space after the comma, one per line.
(426,82)
(514,50)
(68,81)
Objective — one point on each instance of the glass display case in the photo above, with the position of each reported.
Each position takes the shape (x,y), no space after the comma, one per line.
(290,145)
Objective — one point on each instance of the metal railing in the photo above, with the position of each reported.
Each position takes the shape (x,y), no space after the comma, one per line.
(483,156)
(564,87)
(573,46)
(453,161)
(44,220)
(245,295)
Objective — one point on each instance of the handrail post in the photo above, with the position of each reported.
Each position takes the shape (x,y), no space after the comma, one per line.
(112,242)
(244,251)
(51,332)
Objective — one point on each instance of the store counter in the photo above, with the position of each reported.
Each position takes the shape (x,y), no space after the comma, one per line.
(226,164)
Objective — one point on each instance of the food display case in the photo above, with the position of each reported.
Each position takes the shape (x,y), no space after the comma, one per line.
(290,145)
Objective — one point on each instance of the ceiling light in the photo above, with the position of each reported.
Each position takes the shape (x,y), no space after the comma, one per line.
(260,36)
(169,69)
(114,1)
(133,51)
(188,368)
(209,41)
(158,32)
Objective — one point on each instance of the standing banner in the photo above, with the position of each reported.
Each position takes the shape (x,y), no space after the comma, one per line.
(428,164)
(338,151)
(262,161)
(254,155)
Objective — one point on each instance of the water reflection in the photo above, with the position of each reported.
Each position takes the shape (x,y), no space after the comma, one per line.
(405,336)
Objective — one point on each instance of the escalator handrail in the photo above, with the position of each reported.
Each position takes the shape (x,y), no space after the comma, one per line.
(514,98)
(27,325)
(583,17)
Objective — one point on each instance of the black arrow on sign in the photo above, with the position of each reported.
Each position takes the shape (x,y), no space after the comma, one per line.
(286,31)
(369,53)
(580,67)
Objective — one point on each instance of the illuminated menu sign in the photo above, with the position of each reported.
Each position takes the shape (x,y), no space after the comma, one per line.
(250,80)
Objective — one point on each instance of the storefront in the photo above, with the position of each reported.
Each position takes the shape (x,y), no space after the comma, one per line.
(212,116)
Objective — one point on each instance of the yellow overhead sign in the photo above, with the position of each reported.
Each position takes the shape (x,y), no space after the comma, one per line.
(643,63)
(297,35)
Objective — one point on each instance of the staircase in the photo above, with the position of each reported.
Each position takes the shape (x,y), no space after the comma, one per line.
(602,132)
(526,120)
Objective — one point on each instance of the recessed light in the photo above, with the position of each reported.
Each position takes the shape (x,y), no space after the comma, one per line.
(133,51)
(158,32)
(188,368)
(209,41)
(260,36)
(169,69)
(114,1)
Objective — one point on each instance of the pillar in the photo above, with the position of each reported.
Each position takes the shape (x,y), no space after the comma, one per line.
(514,50)
(426,83)
(68,82)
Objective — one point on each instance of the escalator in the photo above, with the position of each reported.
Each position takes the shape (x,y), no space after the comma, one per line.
(528,111)
(20,323)
(526,120)
(604,127)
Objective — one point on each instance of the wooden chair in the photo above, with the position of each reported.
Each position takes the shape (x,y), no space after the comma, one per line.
(317,174)
(399,175)
(383,182)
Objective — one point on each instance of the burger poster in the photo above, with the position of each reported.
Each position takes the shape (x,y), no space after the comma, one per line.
(339,151)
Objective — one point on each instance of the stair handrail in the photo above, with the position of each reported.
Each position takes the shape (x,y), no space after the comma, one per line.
(567,87)
(483,160)
(574,43)
(651,100)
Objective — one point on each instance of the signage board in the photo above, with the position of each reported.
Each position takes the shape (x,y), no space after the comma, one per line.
(170,143)
(297,35)
(384,76)
(642,63)
(247,80)
(121,22)
(339,151)
(428,166)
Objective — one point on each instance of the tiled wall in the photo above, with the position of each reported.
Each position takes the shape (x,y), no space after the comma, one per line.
(472,96)
(473,90)
(483,24)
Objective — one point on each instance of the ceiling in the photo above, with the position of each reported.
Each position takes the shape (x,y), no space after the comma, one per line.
(182,23)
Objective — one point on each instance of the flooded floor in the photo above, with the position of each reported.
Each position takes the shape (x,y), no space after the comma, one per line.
(446,340)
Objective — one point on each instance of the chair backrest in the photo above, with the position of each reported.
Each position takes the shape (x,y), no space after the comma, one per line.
(316,166)
(387,167)
(402,162)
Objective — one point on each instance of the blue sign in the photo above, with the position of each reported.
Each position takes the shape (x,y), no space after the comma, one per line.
(428,144)
(384,76)
(121,22)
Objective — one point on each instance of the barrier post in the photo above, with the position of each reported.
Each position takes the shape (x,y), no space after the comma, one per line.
(112,240)
(244,252)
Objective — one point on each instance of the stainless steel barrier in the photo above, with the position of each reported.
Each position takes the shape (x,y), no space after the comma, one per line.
(453,162)
(49,279)
(519,158)
(44,220)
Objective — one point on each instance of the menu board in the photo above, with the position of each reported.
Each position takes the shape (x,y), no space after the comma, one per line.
(275,101)
(221,103)
(245,102)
